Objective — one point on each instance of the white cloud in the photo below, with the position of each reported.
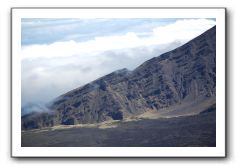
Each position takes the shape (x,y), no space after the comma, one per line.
(50,70)
(181,30)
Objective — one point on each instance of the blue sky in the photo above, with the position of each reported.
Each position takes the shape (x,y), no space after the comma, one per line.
(59,55)
(46,31)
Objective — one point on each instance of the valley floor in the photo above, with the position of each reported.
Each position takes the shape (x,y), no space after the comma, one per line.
(192,131)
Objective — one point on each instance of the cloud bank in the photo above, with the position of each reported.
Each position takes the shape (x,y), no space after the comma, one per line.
(50,69)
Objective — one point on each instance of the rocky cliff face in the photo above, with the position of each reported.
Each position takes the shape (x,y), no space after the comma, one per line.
(183,75)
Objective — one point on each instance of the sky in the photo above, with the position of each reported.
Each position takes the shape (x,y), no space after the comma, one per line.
(58,55)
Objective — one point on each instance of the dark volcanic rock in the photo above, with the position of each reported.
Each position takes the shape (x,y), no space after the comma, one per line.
(185,131)
(185,74)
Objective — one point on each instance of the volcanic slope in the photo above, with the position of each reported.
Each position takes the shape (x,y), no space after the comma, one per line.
(177,83)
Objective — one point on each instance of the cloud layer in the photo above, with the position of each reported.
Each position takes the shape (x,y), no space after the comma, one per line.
(53,68)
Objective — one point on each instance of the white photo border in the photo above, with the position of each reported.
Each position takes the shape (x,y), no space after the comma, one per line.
(116,12)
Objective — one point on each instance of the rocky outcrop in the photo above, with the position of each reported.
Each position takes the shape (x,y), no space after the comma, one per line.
(185,74)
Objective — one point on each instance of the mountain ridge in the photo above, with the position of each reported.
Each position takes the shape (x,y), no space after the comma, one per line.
(181,76)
